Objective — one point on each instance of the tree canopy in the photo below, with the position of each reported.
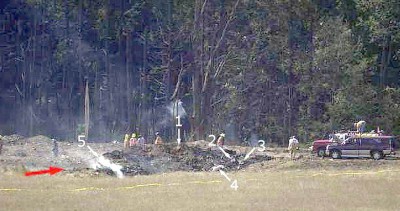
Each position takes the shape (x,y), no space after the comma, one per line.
(246,67)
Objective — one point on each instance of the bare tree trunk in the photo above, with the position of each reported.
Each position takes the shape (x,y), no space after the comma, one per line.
(167,61)
(87,110)
(144,91)
(80,72)
(31,71)
(385,59)
(290,84)
(197,69)
(128,69)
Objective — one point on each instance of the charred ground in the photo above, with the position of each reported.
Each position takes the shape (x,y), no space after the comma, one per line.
(23,154)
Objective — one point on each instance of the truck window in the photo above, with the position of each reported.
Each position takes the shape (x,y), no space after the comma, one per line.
(377,141)
(368,141)
(395,143)
(350,141)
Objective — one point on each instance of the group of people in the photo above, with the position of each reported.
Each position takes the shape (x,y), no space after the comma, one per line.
(139,140)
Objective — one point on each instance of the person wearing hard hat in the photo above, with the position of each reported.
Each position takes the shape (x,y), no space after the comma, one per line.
(133,140)
(221,140)
(158,140)
(293,147)
(126,141)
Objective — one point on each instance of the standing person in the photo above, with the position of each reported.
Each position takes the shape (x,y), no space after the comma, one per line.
(158,140)
(221,140)
(360,126)
(133,140)
(1,143)
(142,142)
(380,132)
(293,147)
(55,147)
(126,141)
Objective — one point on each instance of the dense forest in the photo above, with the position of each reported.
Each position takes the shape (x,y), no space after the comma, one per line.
(251,68)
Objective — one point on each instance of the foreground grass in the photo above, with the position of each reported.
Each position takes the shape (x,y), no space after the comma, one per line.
(286,190)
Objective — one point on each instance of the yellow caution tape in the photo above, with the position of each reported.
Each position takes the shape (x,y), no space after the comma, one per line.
(139,186)
(205,182)
(88,188)
(147,185)
(10,189)
(346,173)
(201,182)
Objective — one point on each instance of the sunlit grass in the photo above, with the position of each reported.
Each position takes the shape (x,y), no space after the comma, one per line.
(286,190)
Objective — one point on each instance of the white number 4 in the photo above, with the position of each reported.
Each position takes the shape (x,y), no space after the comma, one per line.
(234,185)
(81,138)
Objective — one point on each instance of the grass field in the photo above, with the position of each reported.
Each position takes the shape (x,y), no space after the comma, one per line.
(377,189)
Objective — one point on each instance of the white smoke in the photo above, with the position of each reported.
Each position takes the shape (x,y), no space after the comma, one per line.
(253,139)
(169,114)
(102,162)
(176,108)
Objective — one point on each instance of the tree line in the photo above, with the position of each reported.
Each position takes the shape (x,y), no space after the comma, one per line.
(249,68)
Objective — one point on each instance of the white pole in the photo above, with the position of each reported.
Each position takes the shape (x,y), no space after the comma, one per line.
(179,129)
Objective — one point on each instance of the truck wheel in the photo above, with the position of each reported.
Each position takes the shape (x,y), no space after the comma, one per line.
(336,154)
(376,155)
(321,152)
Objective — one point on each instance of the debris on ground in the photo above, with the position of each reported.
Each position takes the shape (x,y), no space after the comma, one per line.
(37,153)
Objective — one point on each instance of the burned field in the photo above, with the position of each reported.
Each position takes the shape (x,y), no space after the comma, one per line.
(168,158)
(182,178)
(20,154)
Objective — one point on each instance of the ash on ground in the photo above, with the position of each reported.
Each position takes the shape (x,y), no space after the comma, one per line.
(168,158)
(40,152)
(21,154)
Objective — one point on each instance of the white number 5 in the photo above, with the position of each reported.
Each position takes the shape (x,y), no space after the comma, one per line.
(81,138)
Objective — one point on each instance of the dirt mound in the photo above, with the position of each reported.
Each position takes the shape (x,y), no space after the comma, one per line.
(12,139)
(37,139)
(40,152)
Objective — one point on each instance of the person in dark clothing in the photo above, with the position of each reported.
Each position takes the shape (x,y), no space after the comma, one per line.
(1,143)
(55,147)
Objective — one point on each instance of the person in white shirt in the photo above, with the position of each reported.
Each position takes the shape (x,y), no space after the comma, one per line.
(293,147)
(142,142)
(360,126)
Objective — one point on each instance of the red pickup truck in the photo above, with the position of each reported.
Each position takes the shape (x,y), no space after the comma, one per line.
(319,146)
(376,147)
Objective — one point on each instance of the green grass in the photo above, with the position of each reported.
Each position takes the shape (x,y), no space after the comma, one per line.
(285,190)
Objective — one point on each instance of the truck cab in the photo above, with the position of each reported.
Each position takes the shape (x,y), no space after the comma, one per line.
(375,147)
(319,146)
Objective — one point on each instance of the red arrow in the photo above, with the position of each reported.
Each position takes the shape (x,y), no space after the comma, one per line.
(52,170)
